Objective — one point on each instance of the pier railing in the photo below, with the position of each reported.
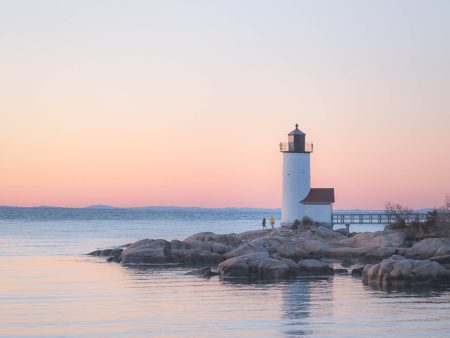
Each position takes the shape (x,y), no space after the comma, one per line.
(377,218)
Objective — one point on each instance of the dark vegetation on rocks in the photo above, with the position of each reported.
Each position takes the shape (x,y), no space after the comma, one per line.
(436,225)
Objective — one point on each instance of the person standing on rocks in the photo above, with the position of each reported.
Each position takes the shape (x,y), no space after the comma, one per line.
(272,221)
(263,222)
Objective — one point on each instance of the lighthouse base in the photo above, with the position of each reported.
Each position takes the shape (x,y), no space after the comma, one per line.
(320,214)
(325,224)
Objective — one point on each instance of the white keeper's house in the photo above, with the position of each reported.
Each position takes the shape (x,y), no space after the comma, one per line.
(299,199)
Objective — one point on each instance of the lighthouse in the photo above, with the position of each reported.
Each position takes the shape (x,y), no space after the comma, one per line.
(298,198)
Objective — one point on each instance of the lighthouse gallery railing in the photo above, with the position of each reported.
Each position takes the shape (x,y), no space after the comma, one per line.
(289,146)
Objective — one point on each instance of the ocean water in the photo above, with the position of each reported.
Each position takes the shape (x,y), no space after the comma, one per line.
(50,288)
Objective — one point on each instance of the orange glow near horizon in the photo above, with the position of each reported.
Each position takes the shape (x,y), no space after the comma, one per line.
(190,167)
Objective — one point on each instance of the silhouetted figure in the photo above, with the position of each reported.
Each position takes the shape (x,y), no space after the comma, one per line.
(263,222)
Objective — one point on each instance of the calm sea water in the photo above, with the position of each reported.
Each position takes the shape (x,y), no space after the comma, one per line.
(49,288)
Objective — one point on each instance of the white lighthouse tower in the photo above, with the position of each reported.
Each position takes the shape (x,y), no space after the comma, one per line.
(298,199)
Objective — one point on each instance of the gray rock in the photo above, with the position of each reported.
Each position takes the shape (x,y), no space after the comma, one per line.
(381,252)
(342,231)
(207,248)
(315,246)
(357,272)
(314,267)
(398,270)
(115,259)
(199,249)
(229,240)
(298,248)
(346,262)
(294,249)
(147,251)
(246,249)
(339,251)
(290,262)
(445,259)
(248,236)
(265,244)
(323,242)
(292,265)
(106,252)
(197,252)
(430,247)
(257,265)
(203,272)
(389,238)
(326,233)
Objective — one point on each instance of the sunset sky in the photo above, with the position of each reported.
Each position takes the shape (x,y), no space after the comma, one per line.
(134,103)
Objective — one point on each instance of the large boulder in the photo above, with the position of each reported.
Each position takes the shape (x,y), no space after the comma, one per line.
(197,253)
(113,254)
(202,250)
(314,267)
(357,272)
(315,246)
(311,241)
(257,265)
(293,249)
(380,244)
(207,248)
(444,259)
(248,236)
(366,252)
(298,248)
(202,272)
(430,247)
(326,233)
(398,270)
(268,244)
(319,241)
(159,251)
(154,251)
(106,252)
(229,240)
(388,238)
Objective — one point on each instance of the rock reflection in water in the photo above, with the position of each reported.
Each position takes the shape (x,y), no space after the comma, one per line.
(73,296)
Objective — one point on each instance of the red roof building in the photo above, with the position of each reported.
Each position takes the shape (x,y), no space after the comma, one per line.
(319,196)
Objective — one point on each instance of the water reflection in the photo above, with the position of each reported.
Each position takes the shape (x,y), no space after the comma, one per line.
(296,305)
(73,296)
(300,299)
(418,290)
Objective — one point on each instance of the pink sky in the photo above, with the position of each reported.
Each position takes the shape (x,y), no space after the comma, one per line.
(162,104)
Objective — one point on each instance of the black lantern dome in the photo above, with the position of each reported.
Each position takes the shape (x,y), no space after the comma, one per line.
(296,142)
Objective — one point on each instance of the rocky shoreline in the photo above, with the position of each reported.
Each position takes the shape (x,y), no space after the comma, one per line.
(286,252)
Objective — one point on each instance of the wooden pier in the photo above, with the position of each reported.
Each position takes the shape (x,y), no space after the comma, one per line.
(380,218)
(376,218)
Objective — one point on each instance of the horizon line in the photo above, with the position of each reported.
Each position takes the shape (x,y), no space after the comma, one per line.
(101,206)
